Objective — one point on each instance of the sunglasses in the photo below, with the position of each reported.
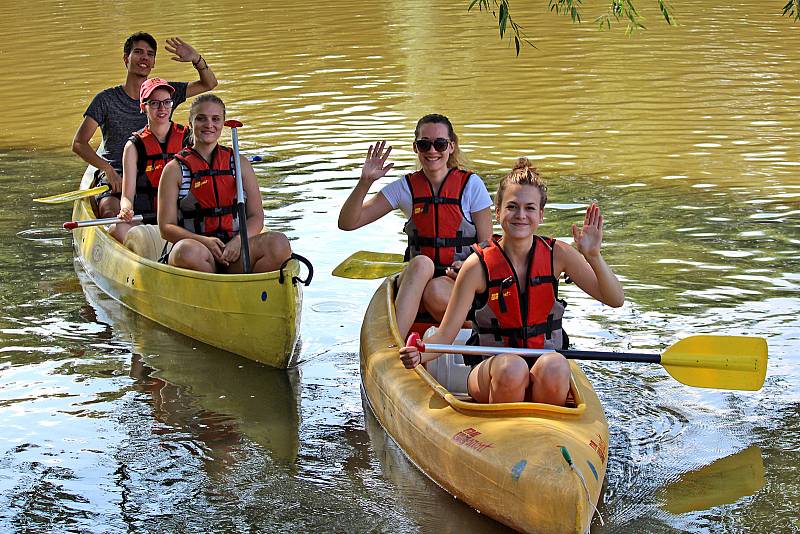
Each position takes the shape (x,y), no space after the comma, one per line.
(439,144)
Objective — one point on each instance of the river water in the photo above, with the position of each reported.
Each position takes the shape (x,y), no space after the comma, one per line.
(686,136)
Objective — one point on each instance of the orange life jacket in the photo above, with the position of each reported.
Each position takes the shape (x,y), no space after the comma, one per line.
(438,227)
(511,318)
(152,159)
(209,208)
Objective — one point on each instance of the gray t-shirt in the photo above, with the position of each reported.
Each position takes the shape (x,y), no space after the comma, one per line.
(119,116)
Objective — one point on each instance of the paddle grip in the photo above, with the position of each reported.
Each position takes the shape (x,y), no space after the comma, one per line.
(70,225)
(415,341)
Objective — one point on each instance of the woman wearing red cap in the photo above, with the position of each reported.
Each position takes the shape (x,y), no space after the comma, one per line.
(146,154)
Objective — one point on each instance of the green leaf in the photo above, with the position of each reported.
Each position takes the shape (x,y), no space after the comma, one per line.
(503,18)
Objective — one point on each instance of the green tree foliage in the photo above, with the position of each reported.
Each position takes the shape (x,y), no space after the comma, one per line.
(618,11)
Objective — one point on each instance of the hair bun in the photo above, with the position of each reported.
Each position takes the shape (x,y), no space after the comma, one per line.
(524,163)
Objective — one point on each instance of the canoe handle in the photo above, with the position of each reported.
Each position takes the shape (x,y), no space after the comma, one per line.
(296,279)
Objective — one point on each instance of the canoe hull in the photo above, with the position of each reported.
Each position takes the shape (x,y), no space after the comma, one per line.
(503,460)
(252,315)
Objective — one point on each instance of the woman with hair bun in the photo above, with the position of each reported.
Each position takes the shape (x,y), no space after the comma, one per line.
(511,285)
(448,210)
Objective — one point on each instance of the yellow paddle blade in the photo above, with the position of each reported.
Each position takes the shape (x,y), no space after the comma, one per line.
(365,265)
(723,362)
(72,195)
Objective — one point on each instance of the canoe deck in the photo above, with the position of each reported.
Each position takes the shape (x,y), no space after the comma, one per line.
(504,460)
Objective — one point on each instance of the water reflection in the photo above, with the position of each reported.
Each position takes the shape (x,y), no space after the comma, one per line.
(422,499)
(722,482)
(686,136)
(211,394)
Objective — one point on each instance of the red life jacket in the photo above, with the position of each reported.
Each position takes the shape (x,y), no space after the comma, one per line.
(510,318)
(152,160)
(209,208)
(438,227)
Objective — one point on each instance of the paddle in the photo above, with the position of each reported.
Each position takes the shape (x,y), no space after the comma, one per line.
(365,265)
(233,125)
(72,195)
(705,361)
(71,225)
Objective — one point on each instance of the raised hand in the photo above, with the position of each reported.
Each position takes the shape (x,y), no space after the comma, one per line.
(375,166)
(182,51)
(590,236)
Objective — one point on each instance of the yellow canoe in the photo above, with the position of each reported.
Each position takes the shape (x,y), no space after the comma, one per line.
(506,460)
(253,315)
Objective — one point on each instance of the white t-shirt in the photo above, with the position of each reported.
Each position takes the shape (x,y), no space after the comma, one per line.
(476,196)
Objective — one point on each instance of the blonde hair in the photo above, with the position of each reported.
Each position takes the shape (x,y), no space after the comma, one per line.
(456,159)
(523,173)
(202,99)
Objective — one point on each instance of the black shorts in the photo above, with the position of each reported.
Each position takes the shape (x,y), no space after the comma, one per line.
(100,179)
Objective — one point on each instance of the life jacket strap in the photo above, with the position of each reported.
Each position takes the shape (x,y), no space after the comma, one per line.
(523,333)
(538,280)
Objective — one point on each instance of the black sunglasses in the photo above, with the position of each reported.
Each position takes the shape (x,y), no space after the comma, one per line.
(439,144)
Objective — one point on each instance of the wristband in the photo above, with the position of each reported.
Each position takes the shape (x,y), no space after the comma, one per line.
(198,63)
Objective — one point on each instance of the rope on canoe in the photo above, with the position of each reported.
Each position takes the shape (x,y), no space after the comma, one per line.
(568,458)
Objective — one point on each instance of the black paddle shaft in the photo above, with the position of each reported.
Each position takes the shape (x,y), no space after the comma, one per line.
(243,237)
(637,357)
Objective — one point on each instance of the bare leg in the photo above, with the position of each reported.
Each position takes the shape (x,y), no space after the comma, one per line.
(437,295)
(120,230)
(268,251)
(499,379)
(412,284)
(550,379)
(108,207)
(191,254)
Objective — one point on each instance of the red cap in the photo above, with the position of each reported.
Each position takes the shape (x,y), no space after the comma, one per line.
(150,85)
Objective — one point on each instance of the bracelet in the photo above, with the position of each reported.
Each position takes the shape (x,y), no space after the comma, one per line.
(199,59)
(198,63)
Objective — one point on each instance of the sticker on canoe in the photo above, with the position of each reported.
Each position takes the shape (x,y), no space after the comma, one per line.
(594,471)
(518,468)
(600,447)
(467,437)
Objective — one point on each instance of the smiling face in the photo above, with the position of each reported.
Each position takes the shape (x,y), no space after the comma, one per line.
(433,161)
(161,113)
(207,122)
(141,59)
(521,211)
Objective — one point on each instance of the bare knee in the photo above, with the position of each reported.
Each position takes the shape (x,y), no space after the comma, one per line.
(278,244)
(509,372)
(420,266)
(108,207)
(436,296)
(550,376)
(190,254)
(269,250)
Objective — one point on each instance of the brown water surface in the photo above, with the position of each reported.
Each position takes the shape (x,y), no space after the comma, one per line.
(688,137)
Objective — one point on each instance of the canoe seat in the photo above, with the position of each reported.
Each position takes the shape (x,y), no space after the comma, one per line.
(449,369)
(146,241)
